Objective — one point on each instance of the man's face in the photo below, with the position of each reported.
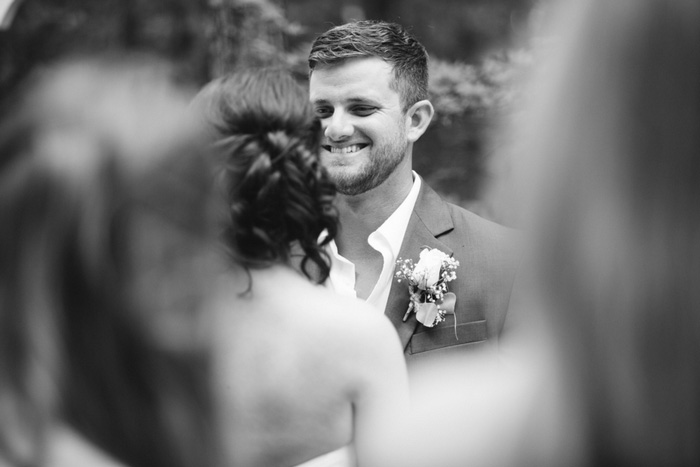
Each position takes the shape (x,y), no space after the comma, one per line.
(364,126)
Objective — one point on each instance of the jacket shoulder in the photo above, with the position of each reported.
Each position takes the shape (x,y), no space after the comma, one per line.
(472,230)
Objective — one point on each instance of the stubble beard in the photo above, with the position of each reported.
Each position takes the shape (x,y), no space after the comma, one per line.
(375,171)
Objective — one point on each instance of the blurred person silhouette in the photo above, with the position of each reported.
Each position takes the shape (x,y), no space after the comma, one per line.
(314,377)
(610,168)
(107,233)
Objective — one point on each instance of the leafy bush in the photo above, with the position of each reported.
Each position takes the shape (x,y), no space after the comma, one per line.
(489,87)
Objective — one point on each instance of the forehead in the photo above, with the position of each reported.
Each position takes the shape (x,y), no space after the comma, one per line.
(355,78)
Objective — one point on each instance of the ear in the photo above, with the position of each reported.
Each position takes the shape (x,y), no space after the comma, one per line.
(419,116)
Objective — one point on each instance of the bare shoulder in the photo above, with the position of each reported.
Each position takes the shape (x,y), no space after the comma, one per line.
(297,351)
(358,343)
(308,316)
(353,322)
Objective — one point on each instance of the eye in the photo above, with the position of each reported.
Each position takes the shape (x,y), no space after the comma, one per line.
(363,110)
(323,112)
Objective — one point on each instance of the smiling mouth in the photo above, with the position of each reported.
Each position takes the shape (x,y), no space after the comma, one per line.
(344,150)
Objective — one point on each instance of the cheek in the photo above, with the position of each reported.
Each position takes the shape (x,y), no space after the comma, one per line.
(391,137)
(393,130)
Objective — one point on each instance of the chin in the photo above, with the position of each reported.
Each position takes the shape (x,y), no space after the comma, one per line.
(356,185)
(344,182)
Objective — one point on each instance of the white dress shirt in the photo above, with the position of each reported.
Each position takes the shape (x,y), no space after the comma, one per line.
(387,240)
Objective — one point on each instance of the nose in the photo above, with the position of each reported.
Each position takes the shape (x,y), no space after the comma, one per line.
(338,126)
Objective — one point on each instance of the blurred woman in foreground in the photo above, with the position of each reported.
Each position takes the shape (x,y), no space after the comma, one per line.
(313,377)
(611,170)
(619,224)
(106,235)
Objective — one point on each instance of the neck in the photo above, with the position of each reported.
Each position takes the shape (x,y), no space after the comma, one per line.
(259,279)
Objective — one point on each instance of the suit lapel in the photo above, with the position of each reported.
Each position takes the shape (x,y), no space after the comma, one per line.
(430,219)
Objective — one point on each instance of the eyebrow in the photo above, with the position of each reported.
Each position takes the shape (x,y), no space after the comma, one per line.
(352,100)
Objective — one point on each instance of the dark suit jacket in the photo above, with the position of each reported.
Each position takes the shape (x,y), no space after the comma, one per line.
(486,254)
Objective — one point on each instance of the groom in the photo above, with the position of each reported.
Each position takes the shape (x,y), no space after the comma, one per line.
(368,85)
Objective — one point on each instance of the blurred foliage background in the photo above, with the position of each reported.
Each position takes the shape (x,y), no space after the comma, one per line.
(478,51)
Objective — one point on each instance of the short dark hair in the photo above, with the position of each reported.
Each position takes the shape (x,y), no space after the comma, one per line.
(388,41)
(278,192)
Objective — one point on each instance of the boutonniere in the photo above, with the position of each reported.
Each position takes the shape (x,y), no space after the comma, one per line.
(427,285)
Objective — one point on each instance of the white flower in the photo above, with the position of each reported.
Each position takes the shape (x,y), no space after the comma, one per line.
(427,272)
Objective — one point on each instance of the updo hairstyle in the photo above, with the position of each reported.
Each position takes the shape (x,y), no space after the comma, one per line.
(279,196)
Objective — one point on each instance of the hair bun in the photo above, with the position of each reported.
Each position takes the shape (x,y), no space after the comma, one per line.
(278,192)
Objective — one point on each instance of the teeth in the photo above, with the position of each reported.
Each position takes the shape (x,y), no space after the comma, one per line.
(345,150)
